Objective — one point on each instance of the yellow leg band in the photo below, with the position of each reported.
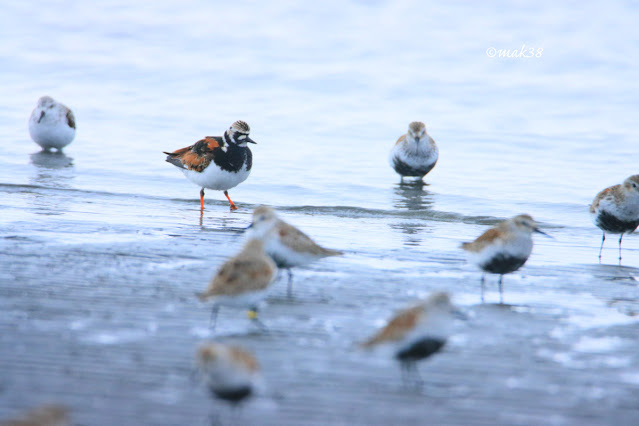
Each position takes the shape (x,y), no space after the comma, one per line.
(252,314)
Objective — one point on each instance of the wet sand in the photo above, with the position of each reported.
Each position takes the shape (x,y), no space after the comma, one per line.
(109,327)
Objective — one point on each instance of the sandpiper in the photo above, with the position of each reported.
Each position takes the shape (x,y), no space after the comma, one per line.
(616,210)
(217,162)
(230,372)
(415,153)
(288,246)
(242,281)
(418,332)
(504,248)
(52,124)
(44,415)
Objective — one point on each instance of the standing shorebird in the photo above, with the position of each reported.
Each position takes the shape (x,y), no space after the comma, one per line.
(230,372)
(217,162)
(242,281)
(288,246)
(616,210)
(417,333)
(44,415)
(504,248)
(415,153)
(52,124)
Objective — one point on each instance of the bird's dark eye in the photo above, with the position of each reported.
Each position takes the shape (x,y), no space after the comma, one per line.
(634,185)
(261,217)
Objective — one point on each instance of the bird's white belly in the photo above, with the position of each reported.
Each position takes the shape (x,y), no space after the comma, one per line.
(48,134)
(519,248)
(417,158)
(247,299)
(215,178)
(285,256)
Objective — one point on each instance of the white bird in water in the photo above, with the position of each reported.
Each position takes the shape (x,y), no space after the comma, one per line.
(52,124)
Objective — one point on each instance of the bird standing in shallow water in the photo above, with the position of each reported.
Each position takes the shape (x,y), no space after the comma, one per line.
(242,281)
(52,124)
(415,153)
(417,333)
(616,210)
(504,248)
(230,372)
(285,244)
(217,162)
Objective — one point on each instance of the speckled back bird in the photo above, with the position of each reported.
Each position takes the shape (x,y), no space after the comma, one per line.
(615,210)
(285,244)
(51,124)
(415,153)
(242,281)
(418,332)
(230,372)
(43,415)
(504,248)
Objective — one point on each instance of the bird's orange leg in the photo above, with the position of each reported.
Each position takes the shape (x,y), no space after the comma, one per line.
(233,207)
(202,199)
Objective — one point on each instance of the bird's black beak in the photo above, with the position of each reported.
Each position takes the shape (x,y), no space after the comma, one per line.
(249,227)
(537,230)
(249,140)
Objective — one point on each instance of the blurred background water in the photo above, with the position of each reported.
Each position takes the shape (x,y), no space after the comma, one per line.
(327,88)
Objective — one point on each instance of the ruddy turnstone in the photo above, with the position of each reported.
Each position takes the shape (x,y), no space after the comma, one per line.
(44,415)
(504,248)
(415,153)
(231,373)
(616,210)
(51,125)
(418,332)
(242,281)
(217,162)
(287,245)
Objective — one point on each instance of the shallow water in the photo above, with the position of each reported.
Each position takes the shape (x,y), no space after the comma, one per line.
(102,247)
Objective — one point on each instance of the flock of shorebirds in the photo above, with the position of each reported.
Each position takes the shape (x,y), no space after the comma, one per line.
(223,162)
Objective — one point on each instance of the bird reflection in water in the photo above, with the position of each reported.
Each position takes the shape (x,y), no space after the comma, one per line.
(411,196)
(53,169)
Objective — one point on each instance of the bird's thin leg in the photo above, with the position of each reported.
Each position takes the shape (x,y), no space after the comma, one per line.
(215,419)
(483,283)
(410,375)
(620,238)
(417,378)
(603,238)
(405,367)
(214,311)
(193,376)
(233,207)
(289,288)
(501,290)
(202,199)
